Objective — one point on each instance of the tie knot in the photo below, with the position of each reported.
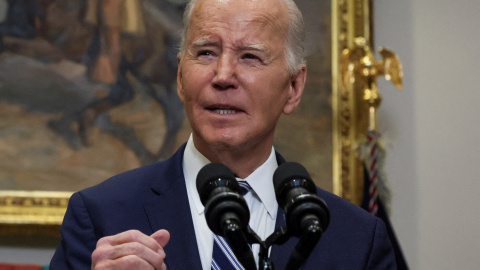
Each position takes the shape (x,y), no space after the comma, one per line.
(244,187)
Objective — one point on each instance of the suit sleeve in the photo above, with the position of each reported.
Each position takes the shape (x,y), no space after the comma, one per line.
(382,255)
(78,238)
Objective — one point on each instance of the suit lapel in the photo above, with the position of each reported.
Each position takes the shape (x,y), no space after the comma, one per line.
(167,207)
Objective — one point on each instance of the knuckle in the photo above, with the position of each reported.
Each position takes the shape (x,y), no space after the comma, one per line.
(135,248)
(104,265)
(100,267)
(95,256)
(159,261)
(162,255)
(132,262)
(102,241)
(98,254)
(133,234)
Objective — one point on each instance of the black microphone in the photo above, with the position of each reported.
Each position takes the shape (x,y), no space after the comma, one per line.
(226,211)
(306,214)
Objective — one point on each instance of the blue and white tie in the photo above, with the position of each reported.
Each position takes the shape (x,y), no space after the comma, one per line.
(223,257)
(244,187)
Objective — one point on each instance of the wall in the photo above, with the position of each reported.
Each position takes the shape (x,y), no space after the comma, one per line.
(431,129)
(40,256)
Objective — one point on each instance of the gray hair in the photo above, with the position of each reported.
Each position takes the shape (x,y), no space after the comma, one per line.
(295,43)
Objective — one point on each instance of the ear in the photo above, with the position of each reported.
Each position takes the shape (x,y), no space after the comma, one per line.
(297,84)
(180,91)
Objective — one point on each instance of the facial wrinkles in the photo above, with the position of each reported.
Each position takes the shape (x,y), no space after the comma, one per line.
(242,29)
(217,28)
(266,26)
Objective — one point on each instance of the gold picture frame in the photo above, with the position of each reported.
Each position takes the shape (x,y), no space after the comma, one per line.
(351,19)
(41,212)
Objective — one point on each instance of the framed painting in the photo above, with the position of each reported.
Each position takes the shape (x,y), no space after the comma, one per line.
(87,91)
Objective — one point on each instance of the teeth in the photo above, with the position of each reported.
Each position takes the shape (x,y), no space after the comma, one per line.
(224,111)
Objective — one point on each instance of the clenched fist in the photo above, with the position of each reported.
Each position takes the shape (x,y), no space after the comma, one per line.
(131,250)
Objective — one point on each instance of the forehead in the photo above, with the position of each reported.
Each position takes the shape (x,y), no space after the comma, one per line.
(241,18)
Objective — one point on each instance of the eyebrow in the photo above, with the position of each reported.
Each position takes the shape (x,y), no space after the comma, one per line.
(255,47)
(204,42)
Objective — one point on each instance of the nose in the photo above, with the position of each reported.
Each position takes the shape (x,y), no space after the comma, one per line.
(225,73)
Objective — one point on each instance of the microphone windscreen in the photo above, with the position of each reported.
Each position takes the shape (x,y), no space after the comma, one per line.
(209,175)
(288,171)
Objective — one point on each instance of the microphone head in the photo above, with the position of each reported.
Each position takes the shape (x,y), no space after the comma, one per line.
(212,176)
(296,194)
(224,206)
(291,175)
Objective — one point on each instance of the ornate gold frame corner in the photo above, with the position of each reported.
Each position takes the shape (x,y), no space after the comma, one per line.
(30,213)
(351,19)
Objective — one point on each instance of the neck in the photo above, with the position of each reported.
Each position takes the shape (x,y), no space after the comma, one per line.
(241,160)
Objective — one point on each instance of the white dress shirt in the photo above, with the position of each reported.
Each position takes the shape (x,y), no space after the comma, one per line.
(261,201)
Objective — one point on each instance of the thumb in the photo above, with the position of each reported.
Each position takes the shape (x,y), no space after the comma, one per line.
(162,237)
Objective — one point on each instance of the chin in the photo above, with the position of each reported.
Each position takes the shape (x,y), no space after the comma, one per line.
(227,142)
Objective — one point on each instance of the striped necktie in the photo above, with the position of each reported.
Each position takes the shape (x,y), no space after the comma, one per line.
(223,257)
(244,187)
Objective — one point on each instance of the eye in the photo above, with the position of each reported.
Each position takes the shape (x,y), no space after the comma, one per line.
(205,53)
(205,56)
(250,56)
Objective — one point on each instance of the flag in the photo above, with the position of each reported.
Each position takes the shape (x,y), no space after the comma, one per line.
(376,193)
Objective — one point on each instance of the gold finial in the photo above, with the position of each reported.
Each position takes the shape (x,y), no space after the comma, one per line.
(359,63)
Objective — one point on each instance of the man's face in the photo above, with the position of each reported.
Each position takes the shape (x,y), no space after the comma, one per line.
(232,77)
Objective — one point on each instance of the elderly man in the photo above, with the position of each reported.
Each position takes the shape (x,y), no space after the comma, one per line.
(240,67)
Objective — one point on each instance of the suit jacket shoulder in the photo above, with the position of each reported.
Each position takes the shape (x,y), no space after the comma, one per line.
(354,239)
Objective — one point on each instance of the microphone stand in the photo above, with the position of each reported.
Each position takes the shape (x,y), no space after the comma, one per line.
(278,237)
(308,240)
(264,262)
(238,243)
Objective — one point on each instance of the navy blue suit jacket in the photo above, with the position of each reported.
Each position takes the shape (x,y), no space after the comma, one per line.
(155,197)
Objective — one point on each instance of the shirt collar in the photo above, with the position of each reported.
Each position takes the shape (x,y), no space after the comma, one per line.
(261,180)
(193,162)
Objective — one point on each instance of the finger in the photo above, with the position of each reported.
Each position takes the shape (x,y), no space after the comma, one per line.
(133,253)
(128,237)
(162,237)
(125,263)
(154,257)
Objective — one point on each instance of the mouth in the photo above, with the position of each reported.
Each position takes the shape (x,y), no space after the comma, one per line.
(224,110)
